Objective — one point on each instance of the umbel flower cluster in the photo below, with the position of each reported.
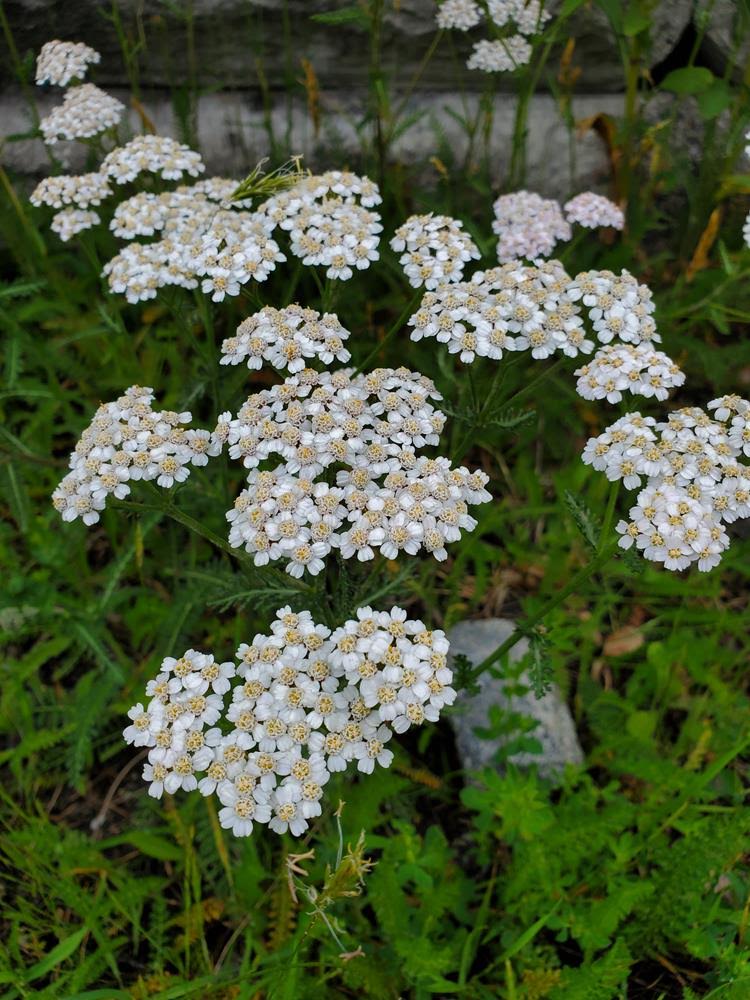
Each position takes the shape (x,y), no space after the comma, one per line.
(207,241)
(128,440)
(690,478)
(59,62)
(540,309)
(265,733)
(510,22)
(366,429)
(529,226)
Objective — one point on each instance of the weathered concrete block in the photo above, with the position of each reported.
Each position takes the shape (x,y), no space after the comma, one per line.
(555,729)
(233,134)
(234,38)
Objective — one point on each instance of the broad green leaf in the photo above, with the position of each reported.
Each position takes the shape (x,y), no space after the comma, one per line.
(715,99)
(688,80)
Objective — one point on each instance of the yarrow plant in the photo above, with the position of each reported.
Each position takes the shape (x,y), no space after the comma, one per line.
(335,457)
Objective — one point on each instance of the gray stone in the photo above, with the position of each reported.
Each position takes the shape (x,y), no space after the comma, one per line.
(555,730)
(233,135)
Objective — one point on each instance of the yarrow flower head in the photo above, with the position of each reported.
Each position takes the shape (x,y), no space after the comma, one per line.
(458,14)
(153,154)
(86,111)
(593,211)
(82,191)
(329,220)
(508,308)
(265,734)
(60,62)
(528,226)
(372,425)
(128,441)
(434,249)
(500,55)
(286,338)
(71,221)
(619,306)
(634,368)
(694,481)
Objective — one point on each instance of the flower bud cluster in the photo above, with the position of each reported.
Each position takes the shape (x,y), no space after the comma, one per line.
(528,226)
(265,734)
(594,211)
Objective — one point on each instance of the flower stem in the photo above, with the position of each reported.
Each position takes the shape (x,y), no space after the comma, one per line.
(609,513)
(525,628)
(392,332)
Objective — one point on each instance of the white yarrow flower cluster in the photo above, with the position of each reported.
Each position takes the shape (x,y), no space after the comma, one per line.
(619,306)
(593,211)
(635,368)
(60,62)
(500,55)
(518,20)
(434,249)
(152,154)
(82,191)
(86,111)
(694,481)
(330,221)
(528,226)
(305,703)
(71,221)
(458,14)
(508,308)
(386,497)
(286,338)
(222,246)
(128,441)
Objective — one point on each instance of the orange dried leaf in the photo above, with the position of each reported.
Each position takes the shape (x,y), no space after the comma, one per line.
(623,640)
(699,259)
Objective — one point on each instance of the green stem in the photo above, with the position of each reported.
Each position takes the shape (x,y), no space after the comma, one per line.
(416,298)
(544,374)
(609,513)
(528,626)
(401,107)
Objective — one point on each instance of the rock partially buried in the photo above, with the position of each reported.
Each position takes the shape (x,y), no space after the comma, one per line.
(555,730)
